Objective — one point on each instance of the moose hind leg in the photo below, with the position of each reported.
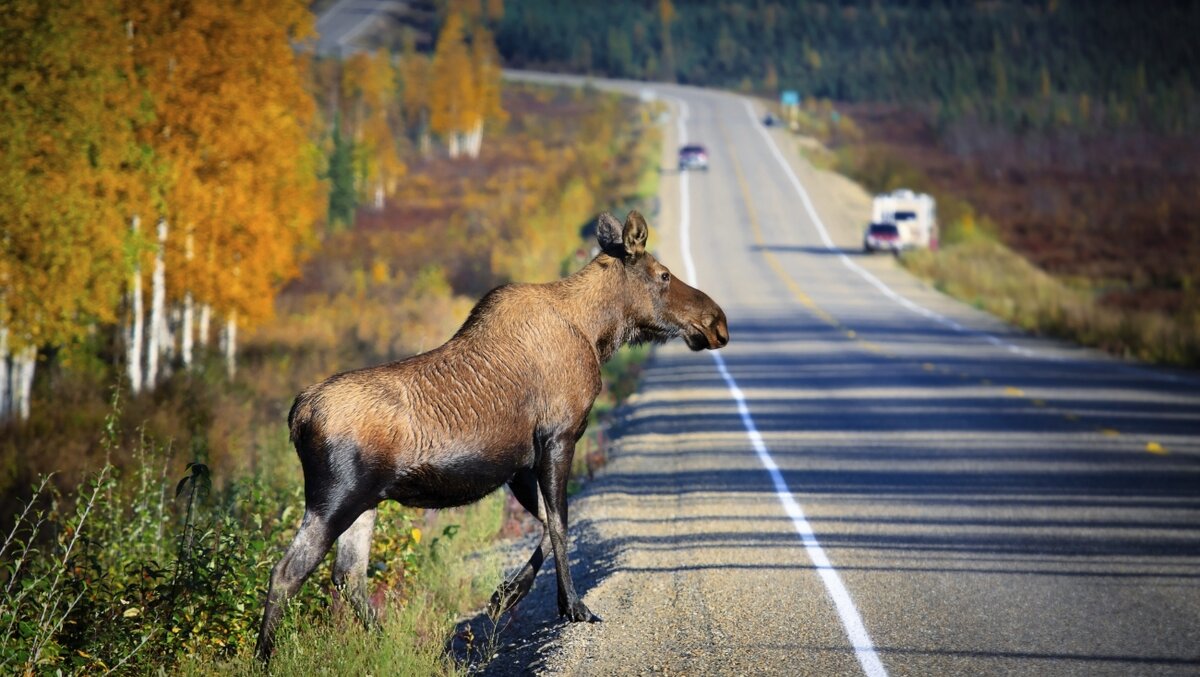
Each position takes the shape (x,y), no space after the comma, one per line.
(525,489)
(350,566)
(306,551)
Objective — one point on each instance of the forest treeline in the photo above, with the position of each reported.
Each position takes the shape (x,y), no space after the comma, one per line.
(160,186)
(1028,63)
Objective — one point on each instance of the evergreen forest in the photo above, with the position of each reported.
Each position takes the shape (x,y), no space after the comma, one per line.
(1029,62)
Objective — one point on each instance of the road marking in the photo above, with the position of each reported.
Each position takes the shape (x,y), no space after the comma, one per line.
(864,649)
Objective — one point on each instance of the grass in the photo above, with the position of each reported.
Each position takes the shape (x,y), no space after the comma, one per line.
(415,622)
(140,571)
(994,278)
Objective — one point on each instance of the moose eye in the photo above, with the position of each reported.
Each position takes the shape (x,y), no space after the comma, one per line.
(665,276)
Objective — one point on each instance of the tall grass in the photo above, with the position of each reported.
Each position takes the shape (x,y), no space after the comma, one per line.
(138,572)
(992,277)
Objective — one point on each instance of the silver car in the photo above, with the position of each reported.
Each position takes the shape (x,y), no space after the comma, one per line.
(693,156)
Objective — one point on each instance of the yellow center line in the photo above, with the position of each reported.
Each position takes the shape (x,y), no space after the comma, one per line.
(759,240)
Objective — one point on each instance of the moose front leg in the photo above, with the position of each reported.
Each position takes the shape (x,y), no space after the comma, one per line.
(553,472)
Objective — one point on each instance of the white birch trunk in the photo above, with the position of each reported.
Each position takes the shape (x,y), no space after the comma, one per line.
(187,342)
(379,196)
(3,374)
(158,317)
(475,139)
(452,144)
(205,317)
(134,338)
(189,312)
(229,344)
(24,363)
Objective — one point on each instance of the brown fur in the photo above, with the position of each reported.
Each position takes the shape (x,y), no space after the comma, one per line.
(503,401)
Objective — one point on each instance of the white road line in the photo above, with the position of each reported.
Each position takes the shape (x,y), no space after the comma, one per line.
(864,649)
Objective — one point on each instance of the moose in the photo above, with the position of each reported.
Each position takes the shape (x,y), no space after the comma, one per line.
(503,401)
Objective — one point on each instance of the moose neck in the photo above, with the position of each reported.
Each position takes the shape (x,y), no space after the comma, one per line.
(593,300)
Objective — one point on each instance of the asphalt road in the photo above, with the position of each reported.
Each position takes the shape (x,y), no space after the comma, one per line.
(342,24)
(953,497)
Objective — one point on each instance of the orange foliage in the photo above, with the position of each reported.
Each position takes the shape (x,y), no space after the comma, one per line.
(232,123)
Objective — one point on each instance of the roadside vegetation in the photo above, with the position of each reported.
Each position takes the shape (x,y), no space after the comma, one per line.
(1099,251)
(138,529)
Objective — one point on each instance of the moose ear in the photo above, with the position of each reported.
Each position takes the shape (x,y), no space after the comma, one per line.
(635,233)
(608,234)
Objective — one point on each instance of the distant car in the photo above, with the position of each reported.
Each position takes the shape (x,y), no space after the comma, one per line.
(693,156)
(881,237)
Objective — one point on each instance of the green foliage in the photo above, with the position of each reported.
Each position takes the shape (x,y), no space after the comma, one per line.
(343,194)
(138,577)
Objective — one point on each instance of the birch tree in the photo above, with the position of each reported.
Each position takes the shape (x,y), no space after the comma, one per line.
(134,333)
(369,94)
(66,142)
(465,92)
(233,121)
(453,95)
(485,67)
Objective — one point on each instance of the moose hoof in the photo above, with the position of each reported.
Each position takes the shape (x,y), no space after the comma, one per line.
(579,613)
(505,598)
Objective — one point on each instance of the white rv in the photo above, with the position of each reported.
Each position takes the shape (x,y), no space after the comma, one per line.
(913,214)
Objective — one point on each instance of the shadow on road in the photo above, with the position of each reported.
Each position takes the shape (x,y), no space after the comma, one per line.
(514,643)
(951,474)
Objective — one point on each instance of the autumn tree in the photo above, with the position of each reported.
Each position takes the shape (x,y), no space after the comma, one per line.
(465,88)
(232,121)
(66,145)
(485,70)
(415,81)
(371,110)
(453,89)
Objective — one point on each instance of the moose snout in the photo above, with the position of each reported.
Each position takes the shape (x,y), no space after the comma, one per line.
(711,332)
(721,330)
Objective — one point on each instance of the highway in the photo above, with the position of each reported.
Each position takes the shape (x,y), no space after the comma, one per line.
(345,22)
(872,478)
